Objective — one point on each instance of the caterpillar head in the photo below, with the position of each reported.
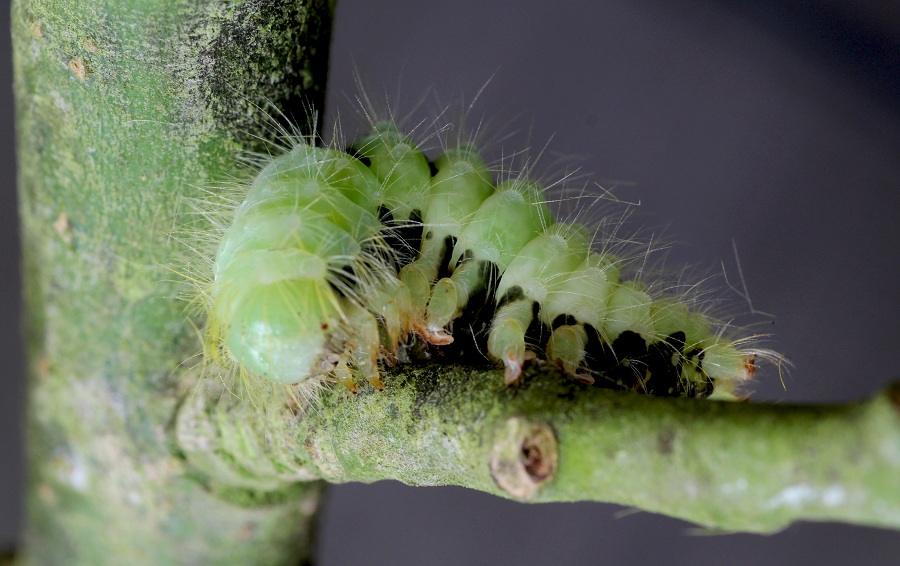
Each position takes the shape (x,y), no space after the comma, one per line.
(271,317)
(293,242)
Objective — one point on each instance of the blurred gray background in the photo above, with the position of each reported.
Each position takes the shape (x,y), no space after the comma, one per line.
(775,124)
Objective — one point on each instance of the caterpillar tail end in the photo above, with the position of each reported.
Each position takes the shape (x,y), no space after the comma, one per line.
(723,361)
(749,367)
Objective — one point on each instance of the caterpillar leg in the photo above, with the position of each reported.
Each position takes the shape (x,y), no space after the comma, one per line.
(393,305)
(442,307)
(566,349)
(344,376)
(448,297)
(418,279)
(364,343)
(506,341)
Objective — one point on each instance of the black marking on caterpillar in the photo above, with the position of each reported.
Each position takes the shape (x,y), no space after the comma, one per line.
(335,261)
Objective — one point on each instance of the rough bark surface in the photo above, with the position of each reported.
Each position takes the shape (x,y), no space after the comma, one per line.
(123,106)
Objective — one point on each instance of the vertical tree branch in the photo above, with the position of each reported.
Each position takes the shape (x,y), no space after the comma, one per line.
(122,106)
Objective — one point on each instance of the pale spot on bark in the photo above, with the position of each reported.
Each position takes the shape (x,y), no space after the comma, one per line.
(63,228)
(78,68)
(37,29)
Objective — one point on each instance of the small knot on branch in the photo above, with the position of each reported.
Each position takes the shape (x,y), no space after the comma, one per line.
(524,457)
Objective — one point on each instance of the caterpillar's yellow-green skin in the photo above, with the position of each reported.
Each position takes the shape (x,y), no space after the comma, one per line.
(337,260)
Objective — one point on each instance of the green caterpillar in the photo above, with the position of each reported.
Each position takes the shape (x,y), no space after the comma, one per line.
(336,261)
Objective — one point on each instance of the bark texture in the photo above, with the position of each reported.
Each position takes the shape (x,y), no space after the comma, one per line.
(123,106)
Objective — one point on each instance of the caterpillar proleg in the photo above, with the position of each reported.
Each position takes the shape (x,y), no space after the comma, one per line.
(336,261)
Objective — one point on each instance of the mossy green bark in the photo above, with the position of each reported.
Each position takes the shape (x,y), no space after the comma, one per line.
(753,467)
(123,106)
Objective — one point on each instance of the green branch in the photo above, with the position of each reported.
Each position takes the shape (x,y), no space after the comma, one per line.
(735,466)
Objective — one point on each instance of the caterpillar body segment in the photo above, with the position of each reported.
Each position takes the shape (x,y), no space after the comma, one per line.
(525,287)
(461,183)
(405,175)
(575,303)
(494,234)
(403,170)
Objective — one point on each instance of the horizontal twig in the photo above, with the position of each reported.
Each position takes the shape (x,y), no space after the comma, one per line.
(752,467)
